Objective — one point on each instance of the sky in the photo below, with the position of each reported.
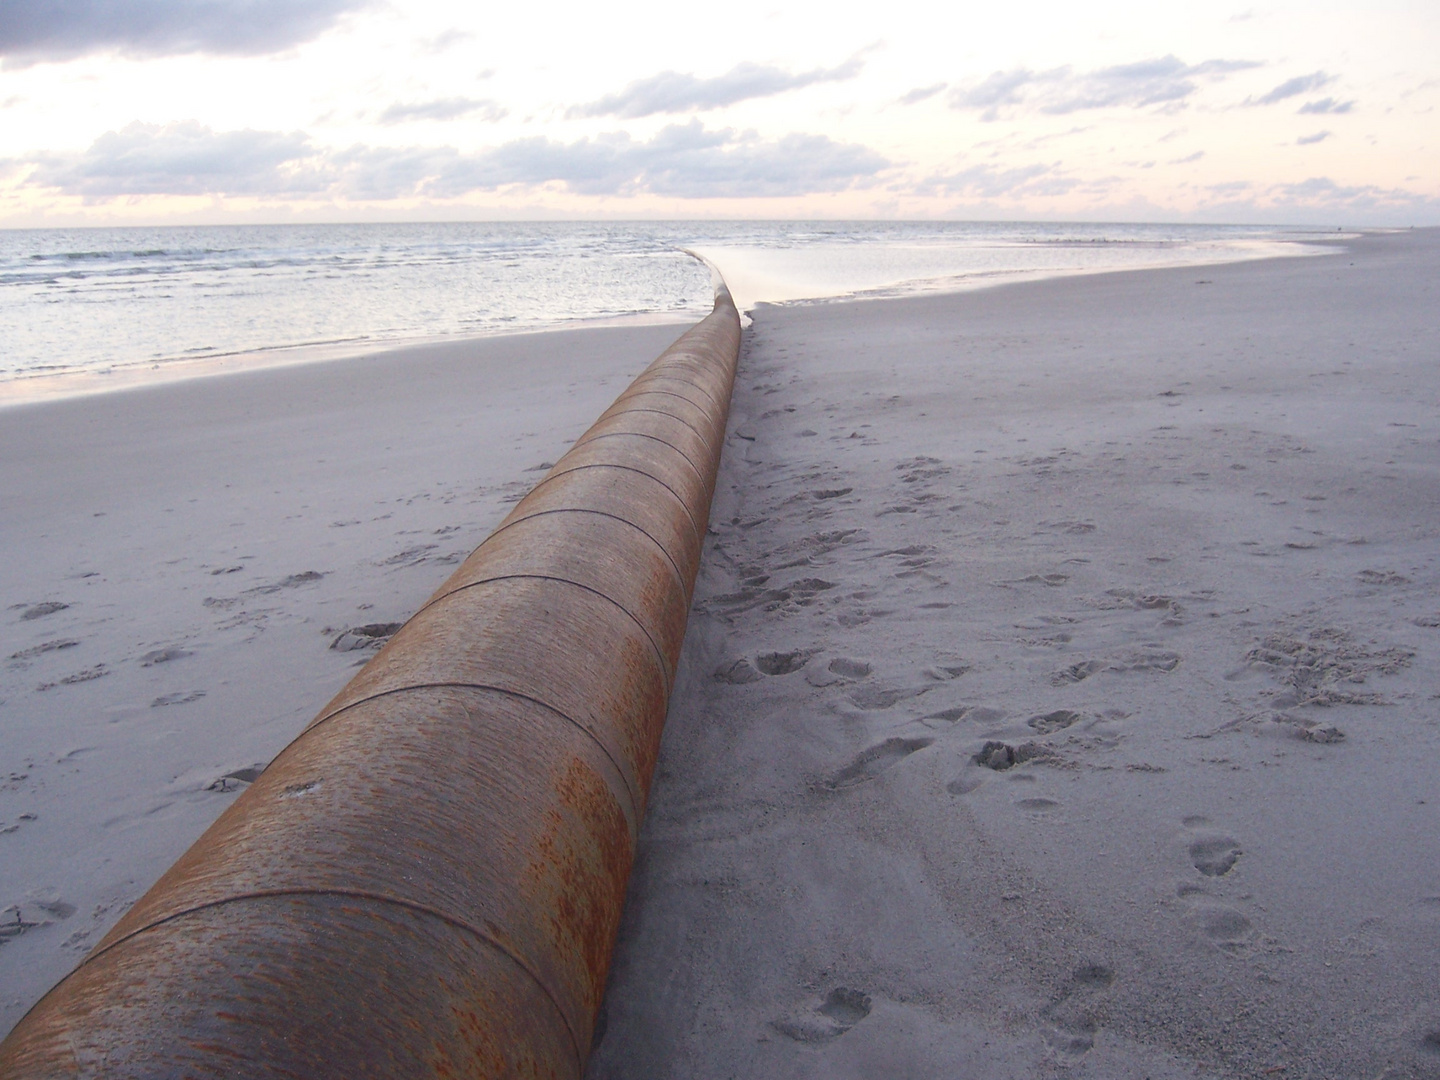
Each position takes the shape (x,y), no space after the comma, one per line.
(215,111)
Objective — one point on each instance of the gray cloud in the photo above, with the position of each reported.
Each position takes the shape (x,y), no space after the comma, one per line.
(1306,200)
(37,30)
(1327,105)
(921,93)
(441,109)
(183,159)
(1196,156)
(1310,140)
(1301,84)
(1323,190)
(1164,81)
(677,92)
(1002,88)
(682,160)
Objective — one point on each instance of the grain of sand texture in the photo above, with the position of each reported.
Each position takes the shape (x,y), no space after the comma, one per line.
(1061,692)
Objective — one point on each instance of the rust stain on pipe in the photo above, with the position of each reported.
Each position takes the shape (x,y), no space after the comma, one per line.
(428,881)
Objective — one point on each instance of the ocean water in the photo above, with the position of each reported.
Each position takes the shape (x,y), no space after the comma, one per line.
(85,310)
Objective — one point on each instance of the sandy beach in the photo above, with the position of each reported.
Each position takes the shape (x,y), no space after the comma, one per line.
(1060,694)
(181,563)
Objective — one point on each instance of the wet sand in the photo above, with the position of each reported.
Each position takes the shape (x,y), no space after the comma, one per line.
(1062,695)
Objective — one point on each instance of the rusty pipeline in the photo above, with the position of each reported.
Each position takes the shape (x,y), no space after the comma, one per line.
(428,881)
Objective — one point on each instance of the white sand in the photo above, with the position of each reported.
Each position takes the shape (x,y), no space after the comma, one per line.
(1177,529)
(181,525)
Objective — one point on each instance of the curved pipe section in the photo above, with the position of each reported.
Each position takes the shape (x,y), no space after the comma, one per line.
(428,881)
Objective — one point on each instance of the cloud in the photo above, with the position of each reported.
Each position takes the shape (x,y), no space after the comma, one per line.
(183,159)
(1322,193)
(1327,105)
(1310,140)
(1002,88)
(32,31)
(441,109)
(676,92)
(1301,84)
(921,93)
(988,181)
(1317,200)
(1196,156)
(682,160)
(1164,81)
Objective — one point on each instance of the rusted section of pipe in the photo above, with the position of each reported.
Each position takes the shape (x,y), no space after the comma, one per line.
(427,882)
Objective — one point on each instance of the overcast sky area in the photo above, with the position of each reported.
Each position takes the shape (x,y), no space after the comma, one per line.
(212,111)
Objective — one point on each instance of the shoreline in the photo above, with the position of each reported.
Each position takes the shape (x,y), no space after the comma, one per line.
(69,385)
(33,388)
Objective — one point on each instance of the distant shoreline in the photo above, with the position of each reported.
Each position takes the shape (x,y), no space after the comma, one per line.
(136,306)
(756,275)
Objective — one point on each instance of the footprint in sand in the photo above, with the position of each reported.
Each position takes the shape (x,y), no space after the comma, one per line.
(837,671)
(43,648)
(31,914)
(738,672)
(950,716)
(305,577)
(180,697)
(1038,805)
(1070,1018)
(39,611)
(1076,672)
(841,1010)
(99,671)
(1051,722)
(849,669)
(966,782)
(876,760)
(1366,577)
(1212,853)
(164,656)
(1220,923)
(1000,756)
(875,698)
(782,663)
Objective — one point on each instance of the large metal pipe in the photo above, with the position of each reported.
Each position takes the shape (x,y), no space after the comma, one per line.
(428,880)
